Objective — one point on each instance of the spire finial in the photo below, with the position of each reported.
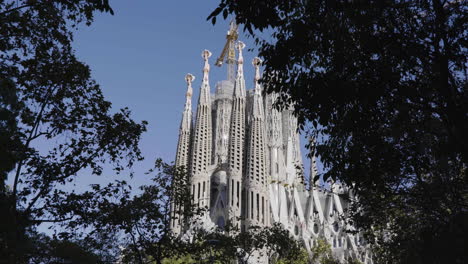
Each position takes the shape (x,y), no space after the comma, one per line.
(205,55)
(188,96)
(240,46)
(189,78)
(256,62)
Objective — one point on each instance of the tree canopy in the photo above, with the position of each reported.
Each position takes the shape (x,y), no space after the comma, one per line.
(55,120)
(56,125)
(382,85)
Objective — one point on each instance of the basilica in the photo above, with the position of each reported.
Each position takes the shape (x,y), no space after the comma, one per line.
(245,163)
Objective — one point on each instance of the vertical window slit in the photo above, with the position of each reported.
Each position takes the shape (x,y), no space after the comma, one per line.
(263,209)
(237,200)
(232,192)
(247,204)
(258,207)
(251,205)
(193,191)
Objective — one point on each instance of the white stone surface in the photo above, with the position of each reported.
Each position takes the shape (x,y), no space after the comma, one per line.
(243,158)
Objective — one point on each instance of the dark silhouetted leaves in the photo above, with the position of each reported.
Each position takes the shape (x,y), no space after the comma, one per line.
(383,86)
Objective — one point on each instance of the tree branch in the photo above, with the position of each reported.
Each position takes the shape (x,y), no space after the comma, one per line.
(31,138)
(50,180)
(52,220)
(30,4)
(16,8)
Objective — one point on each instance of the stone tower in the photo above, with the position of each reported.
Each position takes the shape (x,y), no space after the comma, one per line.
(202,141)
(245,166)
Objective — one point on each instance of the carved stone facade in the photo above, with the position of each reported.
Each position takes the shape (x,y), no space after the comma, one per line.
(244,162)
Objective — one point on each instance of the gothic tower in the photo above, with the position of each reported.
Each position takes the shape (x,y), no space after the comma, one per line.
(245,165)
(256,180)
(185,130)
(183,151)
(202,141)
(237,138)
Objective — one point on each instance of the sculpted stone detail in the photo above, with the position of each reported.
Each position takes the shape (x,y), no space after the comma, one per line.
(245,166)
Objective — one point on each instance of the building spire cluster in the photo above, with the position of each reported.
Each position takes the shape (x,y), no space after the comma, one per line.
(244,164)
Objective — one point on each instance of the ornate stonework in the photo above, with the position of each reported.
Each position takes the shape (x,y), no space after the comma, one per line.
(243,157)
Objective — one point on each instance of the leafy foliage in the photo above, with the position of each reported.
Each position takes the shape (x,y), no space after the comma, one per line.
(321,253)
(48,250)
(141,226)
(9,142)
(273,242)
(229,246)
(302,258)
(57,122)
(382,86)
(116,224)
(178,260)
(144,220)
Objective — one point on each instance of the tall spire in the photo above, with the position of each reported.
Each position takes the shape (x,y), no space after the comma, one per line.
(189,78)
(258,109)
(239,85)
(275,137)
(236,139)
(257,181)
(240,69)
(291,136)
(187,115)
(205,86)
(185,129)
(183,151)
(202,140)
(238,116)
(256,63)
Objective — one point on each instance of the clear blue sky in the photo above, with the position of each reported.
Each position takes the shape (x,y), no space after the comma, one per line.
(140,56)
